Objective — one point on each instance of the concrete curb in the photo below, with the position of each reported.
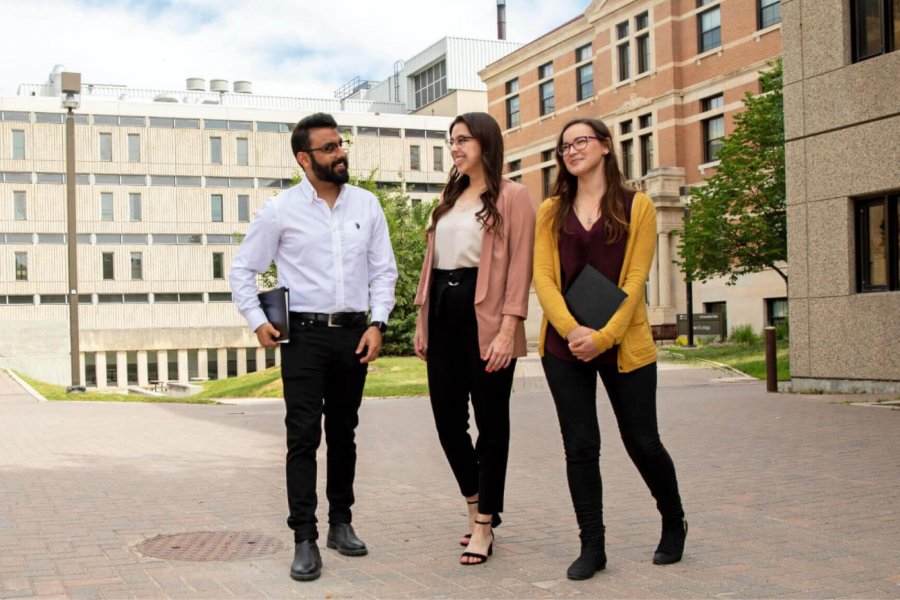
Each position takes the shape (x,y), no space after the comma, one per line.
(711,363)
(31,391)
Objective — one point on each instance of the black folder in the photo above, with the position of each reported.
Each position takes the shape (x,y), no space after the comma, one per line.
(593,299)
(276,304)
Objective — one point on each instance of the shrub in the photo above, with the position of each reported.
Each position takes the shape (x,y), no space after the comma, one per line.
(744,334)
(782,331)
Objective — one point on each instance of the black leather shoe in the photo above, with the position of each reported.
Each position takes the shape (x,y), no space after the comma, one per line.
(342,538)
(591,560)
(307,563)
(671,544)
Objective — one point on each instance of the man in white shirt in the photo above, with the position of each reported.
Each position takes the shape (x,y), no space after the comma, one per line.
(331,247)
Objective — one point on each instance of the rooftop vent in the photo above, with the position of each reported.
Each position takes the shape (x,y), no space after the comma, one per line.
(218,85)
(196,84)
(243,87)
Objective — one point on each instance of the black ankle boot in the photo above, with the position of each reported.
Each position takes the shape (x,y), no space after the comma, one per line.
(671,544)
(591,560)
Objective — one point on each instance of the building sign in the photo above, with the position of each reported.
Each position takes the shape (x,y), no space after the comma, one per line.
(704,324)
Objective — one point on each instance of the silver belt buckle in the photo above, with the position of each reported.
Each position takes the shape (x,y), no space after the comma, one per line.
(330,324)
(452,283)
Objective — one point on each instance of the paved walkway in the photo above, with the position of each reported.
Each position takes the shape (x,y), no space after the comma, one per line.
(787,496)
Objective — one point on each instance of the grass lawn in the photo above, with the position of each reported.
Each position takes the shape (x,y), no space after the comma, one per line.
(388,376)
(749,359)
(58,392)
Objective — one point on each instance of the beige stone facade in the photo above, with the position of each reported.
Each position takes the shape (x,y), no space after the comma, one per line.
(657,82)
(842,121)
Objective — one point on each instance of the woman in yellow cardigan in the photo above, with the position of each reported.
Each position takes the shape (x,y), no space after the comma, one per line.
(594,219)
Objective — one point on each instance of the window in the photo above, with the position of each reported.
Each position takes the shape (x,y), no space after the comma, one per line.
(106,206)
(243,208)
(710,29)
(216,208)
(438,158)
(876,27)
(430,84)
(712,102)
(218,265)
(106,146)
(137,265)
(545,70)
(642,21)
(108,266)
(20,207)
(134,147)
(585,77)
(548,102)
(625,127)
(415,163)
(215,150)
(624,53)
(21,266)
(776,311)
(512,104)
(646,153)
(134,207)
(583,53)
(622,30)
(513,166)
(768,13)
(548,175)
(643,53)
(645,121)
(627,158)
(713,132)
(18,143)
(243,152)
(877,241)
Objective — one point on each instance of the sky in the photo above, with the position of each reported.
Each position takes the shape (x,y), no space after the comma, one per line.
(284,47)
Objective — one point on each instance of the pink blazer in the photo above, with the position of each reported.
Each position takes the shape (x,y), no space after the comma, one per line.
(504,270)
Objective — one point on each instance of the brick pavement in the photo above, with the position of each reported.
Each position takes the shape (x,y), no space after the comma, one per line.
(787,496)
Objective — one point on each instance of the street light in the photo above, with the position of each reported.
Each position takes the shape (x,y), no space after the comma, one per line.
(689,288)
(71,99)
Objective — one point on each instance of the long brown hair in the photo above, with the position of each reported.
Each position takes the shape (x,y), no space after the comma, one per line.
(483,128)
(612,204)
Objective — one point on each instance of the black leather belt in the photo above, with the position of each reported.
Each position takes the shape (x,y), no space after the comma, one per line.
(453,277)
(347,319)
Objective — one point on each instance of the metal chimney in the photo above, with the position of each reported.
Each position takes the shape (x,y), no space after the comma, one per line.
(501,19)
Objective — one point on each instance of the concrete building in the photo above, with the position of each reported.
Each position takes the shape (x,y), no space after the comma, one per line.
(842,124)
(667,76)
(167,181)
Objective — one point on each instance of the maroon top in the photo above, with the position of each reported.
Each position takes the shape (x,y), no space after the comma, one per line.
(579,247)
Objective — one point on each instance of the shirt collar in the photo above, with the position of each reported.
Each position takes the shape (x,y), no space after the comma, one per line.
(309,192)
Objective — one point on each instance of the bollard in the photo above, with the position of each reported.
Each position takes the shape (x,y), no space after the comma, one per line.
(771,361)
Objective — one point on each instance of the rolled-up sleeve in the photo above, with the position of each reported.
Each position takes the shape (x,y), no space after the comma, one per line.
(254,256)
(382,267)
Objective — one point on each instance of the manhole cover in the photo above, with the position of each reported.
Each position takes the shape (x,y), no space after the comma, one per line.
(210,545)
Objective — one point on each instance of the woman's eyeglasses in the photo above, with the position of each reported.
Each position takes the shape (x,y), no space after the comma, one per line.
(579,143)
(459,140)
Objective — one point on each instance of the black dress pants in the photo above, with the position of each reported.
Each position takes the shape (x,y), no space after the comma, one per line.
(573,386)
(456,372)
(322,375)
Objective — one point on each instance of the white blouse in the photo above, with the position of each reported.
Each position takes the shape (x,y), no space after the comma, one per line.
(457,238)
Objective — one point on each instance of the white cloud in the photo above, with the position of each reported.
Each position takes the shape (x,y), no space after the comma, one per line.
(285,47)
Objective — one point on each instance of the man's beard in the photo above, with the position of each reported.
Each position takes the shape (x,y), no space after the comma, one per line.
(328,172)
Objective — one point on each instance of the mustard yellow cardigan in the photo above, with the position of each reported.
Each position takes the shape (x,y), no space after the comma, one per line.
(628,327)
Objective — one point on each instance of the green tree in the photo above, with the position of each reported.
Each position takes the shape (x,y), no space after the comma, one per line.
(407,222)
(738,223)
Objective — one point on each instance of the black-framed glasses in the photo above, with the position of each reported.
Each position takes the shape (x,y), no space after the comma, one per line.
(329,148)
(459,140)
(579,143)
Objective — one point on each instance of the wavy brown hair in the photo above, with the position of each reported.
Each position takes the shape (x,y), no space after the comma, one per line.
(483,128)
(612,204)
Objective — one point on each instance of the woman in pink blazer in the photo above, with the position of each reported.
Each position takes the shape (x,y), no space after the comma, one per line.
(473,300)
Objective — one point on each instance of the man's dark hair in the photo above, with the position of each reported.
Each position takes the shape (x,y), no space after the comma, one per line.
(300,136)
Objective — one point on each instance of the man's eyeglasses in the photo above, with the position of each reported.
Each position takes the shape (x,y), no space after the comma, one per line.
(329,148)
(459,140)
(579,143)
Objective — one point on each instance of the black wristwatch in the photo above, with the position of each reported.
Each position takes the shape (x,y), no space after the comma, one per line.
(381,325)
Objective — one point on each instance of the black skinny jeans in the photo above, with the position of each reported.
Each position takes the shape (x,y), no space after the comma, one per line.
(456,372)
(322,376)
(633,398)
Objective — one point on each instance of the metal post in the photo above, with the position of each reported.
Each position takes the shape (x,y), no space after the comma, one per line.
(71,242)
(689,292)
(771,361)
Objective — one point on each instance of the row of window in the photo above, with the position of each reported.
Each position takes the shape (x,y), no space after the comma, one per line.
(876,27)
(107,262)
(430,84)
(138,239)
(415,158)
(142,180)
(88,299)
(633,55)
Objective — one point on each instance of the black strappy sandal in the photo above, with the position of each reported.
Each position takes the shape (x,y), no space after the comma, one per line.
(495,522)
(482,558)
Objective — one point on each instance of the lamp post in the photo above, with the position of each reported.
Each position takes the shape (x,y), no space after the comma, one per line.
(71,94)
(689,288)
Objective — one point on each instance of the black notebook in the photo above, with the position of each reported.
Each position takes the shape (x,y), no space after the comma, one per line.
(276,304)
(593,299)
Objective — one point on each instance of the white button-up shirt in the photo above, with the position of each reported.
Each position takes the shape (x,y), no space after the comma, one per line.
(331,260)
